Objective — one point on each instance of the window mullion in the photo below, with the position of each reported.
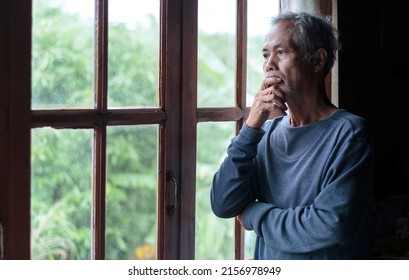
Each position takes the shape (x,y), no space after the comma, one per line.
(189,128)
(99,174)
(101,55)
(240,100)
(99,194)
(168,237)
(241,53)
(176,230)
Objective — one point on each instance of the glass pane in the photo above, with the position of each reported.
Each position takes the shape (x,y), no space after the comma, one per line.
(217,53)
(61,194)
(132,153)
(133,56)
(62,54)
(259,16)
(249,244)
(214,236)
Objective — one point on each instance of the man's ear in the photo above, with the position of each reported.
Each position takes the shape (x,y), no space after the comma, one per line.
(320,58)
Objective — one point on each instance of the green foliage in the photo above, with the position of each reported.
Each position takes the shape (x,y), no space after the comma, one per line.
(61,194)
(131,190)
(62,76)
(133,70)
(254,67)
(216,70)
(62,58)
(214,236)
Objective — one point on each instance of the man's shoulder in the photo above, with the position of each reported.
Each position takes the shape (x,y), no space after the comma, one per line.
(353,123)
(347,114)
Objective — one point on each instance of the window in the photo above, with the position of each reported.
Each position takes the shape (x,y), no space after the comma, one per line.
(96,120)
(115,149)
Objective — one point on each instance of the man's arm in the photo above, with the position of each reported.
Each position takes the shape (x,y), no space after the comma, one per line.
(231,191)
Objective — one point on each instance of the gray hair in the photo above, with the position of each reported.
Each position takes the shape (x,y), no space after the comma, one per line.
(311,32)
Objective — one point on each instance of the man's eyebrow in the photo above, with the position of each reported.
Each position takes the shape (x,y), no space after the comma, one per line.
(278,46)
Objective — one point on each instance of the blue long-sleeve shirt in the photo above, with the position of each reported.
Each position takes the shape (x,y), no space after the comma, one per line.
(305,191)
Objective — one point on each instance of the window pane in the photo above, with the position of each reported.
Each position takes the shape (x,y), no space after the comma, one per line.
(214,236)
(259,15)
(62,54)
(61,194)
(131,192)
(133,53)
(249,244)
(217,53)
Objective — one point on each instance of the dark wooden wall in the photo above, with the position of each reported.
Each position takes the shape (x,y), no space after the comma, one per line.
(374,81)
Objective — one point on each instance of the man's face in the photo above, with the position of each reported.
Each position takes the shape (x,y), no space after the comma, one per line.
(283,60)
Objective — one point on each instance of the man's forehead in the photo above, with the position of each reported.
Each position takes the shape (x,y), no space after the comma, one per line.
(280,33)
(281,27)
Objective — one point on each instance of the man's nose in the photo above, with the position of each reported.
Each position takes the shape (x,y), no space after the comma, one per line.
(270,64)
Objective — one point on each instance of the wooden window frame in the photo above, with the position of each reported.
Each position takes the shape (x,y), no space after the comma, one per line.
(177,117)
(15,89)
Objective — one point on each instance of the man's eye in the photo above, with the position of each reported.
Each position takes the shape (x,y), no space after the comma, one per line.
(266,55)
(280,52)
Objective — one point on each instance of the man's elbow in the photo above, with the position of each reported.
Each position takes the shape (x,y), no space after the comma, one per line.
(223,208)
(223,212)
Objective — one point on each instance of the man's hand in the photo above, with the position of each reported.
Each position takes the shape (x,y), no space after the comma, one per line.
(268,103)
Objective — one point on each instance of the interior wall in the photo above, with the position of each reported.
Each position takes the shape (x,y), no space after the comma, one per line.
(373,83)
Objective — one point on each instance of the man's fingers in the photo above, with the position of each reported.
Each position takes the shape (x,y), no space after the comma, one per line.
(274,99)
(269,82)
(269,102)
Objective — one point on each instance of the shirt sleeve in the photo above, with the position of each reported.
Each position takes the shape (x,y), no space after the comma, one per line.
(336,213)
(231,190)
